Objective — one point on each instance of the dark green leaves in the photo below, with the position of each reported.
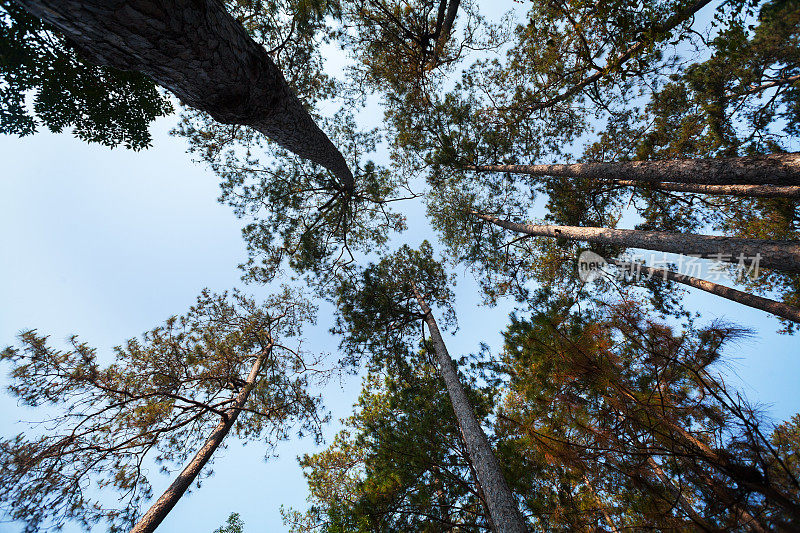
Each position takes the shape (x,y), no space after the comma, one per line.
(100,104)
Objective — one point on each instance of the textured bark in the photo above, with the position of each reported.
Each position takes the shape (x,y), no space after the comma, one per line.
(672,22)
(503,508)
(156,514)
(195,49)
(750,191)
(772,169)
(781,255)
(757,302)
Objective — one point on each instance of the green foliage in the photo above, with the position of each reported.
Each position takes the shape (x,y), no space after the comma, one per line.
(399,464)
(101,105)
(235,524)
(378,313)
(158,401)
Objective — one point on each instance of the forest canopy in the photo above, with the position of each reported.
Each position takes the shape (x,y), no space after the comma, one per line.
(578,166)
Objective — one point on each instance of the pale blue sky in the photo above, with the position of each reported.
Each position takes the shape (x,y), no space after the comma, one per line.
(108,243)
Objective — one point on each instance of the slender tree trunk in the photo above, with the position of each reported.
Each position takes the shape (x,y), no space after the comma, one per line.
(773,169)
(672,22)
(156,514)
(770,84)
(503,508)
(748,191)
(757,302)
(606,516)
(679,496)
(781,255)
(789,504)
(199,52)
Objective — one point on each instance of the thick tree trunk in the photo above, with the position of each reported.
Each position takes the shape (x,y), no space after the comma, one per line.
(503,508)
(757,302)
(199,52)
(156,514)
(749,191)
(672,22)
(779,255)
(446,28)
(773,169)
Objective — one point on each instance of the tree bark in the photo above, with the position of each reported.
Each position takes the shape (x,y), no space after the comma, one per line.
(196,50)
(781,255)
(757,302)
(748,191)
(669,24)
(772,169)
(156,514)
(503,508)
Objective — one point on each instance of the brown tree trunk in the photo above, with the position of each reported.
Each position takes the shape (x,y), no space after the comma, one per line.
(503,508)
(156,514)
(675,20)
(601,506)
(196,50)
(749,191)
(773,169)
(443,32)
(757,302)
(781,255)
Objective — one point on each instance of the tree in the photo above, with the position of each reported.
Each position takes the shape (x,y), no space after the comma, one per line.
(399,464)
(772,169)
(202,55)
(178,391)
(614,389)
(781,255)
(392,297)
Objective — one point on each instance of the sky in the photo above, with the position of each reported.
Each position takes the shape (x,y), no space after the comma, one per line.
(109,243)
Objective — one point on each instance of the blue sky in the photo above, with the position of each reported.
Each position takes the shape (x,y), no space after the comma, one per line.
(109,243)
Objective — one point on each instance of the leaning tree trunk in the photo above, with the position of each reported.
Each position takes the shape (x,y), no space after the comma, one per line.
(773,169)
(503,509)
(199,52)
(738,472)
(781,255)
(680,497)
(748,191)
(156,514)
(757,302)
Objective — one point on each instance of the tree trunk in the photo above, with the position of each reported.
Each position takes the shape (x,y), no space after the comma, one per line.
(601,506)
(156,514)
(773,169)
(443,32)
(781,255)
(672,22)
(199,52)
(749,191)
(503,508)
(680,497)
(789,504)
(757,302)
